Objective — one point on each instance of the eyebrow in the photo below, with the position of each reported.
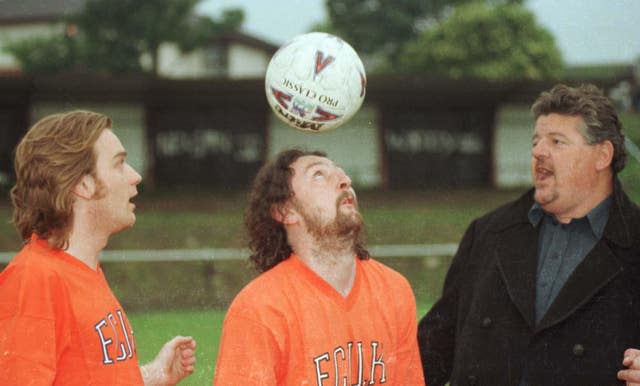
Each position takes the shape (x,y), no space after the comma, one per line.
(550,134)
(316,163)
(119,154)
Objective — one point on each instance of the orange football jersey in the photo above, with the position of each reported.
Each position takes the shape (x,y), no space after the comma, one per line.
(290,327)
(60,323)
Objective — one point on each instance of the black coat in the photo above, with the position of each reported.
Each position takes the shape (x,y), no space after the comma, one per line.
(482,331)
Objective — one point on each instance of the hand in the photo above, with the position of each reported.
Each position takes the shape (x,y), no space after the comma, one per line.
(175,361)
(632,361)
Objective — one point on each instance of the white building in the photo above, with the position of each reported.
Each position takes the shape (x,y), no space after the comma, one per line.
(231,55)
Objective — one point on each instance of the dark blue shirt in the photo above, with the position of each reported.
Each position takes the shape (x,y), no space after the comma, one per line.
(562,247)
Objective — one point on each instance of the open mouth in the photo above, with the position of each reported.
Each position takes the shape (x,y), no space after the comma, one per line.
(348,200)
(543,173)
(131,199)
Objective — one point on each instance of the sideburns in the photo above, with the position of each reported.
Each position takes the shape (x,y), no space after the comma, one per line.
(101,188)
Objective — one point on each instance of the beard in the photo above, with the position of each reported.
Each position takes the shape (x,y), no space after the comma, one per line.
(345,226)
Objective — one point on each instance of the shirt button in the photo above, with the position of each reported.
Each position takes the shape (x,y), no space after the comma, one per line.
(487,322)
(578,350)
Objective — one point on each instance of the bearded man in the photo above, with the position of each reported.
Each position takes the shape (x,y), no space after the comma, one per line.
(322,312)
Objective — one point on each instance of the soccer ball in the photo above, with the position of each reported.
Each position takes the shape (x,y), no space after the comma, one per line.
(315,82)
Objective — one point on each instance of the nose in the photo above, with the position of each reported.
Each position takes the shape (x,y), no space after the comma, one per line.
(135,177)
(344,180)
(539,150)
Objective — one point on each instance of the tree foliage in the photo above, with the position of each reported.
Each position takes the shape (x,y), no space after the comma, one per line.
(113,35)
(43,54)
(491,39)
(382,26)
(485,41)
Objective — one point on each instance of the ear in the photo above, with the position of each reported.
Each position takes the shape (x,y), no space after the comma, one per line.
(86,187)
(284,214)
(605,155)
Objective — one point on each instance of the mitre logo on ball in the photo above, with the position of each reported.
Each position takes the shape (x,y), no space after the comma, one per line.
(315,82)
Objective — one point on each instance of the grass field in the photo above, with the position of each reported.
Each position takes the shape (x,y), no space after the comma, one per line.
(204,220)
(153,329)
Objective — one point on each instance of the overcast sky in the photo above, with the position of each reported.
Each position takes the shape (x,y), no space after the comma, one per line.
(587,31)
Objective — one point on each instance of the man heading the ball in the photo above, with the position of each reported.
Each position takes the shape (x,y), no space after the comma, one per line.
(321,312)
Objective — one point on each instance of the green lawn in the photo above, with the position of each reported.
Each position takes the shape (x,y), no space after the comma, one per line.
(153,329)
(393,217)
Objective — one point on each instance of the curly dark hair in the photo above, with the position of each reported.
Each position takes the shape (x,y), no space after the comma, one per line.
(271,187)
(597,111)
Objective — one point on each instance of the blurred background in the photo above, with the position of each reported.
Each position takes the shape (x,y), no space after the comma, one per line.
(442,137)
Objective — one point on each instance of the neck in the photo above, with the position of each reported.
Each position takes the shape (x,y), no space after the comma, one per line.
(595,197)
(333,260)
(86,241)
(85,250)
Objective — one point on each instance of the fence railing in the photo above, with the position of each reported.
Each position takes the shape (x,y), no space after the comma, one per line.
(207,254)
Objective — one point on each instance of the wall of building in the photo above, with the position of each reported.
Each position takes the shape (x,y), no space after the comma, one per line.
(404,136)
(355,146)
(512,146)
(175,64)
(241,62)
(218,146)
(246,62)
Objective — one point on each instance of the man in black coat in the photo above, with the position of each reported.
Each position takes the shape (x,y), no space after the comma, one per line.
(546,289)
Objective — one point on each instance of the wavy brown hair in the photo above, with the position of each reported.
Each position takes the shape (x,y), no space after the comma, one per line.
(597,111)
(50,160)
(271,188)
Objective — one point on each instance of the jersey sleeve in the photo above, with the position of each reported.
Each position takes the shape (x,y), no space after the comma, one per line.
(248,353)
(32,327)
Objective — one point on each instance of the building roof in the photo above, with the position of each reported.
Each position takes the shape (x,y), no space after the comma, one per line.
(387,90)
(27,11)
(228,38)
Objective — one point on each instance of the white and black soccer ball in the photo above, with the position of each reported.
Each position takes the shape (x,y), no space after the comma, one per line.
(315,82)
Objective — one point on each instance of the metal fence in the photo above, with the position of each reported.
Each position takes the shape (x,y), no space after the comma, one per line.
(213,254)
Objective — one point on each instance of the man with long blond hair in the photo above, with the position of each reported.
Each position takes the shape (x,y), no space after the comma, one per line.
(60,323)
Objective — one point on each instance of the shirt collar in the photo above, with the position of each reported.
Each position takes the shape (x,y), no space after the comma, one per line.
(597,217)
(536,213)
